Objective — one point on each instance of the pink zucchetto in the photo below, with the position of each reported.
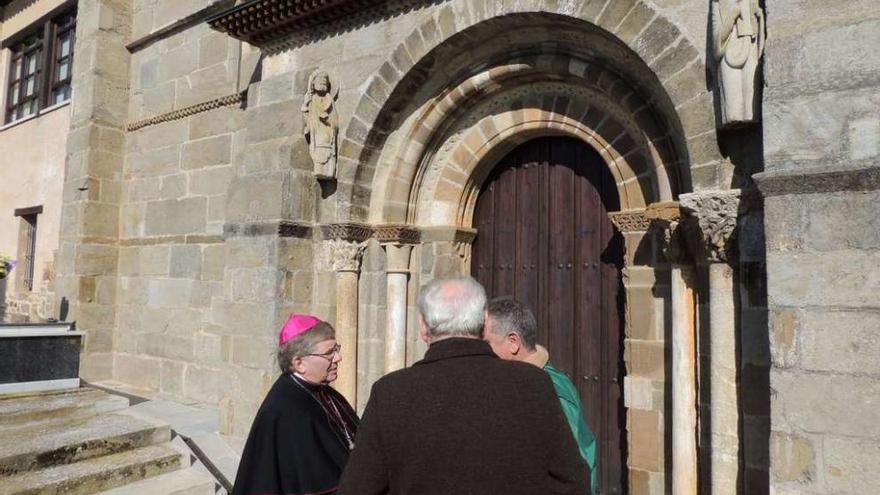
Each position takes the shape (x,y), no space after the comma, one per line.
(296,325)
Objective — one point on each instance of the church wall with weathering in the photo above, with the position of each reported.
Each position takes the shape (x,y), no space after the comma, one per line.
(199,279)
(202,226)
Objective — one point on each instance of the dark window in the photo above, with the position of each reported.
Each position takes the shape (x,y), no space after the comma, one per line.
(40,67)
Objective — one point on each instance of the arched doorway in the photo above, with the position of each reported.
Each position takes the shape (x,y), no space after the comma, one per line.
(544,237)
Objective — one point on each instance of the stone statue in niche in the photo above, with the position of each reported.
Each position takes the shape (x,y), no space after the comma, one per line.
(738,34)
(321,123)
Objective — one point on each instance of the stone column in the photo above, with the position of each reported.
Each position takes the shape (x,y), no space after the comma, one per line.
(397,241)
(715,215)
(342,253)
(666,217)
(395,326)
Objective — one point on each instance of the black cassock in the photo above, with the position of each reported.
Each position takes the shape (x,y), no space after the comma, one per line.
(299,442)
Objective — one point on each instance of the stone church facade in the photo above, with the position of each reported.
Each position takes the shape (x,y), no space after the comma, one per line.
(703,258)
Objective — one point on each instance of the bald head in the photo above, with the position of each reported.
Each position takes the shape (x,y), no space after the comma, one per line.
(453,307)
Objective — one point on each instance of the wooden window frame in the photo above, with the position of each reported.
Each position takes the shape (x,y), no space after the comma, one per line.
(42,38)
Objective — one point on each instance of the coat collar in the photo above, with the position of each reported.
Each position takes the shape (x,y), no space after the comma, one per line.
(454,347)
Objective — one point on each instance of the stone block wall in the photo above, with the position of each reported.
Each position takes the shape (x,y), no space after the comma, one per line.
(822,151)
(171,333)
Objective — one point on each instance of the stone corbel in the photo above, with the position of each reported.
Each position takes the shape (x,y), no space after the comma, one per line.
(714,215)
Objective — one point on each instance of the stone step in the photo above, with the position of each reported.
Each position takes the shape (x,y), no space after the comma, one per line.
(70,441)
(192,481)
(97,474)
(32,410)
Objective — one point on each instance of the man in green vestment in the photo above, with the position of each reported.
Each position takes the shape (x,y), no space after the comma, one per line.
(512,331)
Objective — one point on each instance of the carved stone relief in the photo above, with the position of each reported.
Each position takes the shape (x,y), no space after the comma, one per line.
(716,216)
(666,219)
(738,35)
(339,255)
(321,123)
(630,221)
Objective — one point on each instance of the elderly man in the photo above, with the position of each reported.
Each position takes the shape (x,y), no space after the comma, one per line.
(303,433)
(512,332)
(461,420)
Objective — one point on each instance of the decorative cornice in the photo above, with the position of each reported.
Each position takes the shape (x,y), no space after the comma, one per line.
(716,214)
(284,228)
(812,181)
(223,101)
(294,229)
(630,221)
(396,234)
(354,232)
(259,22)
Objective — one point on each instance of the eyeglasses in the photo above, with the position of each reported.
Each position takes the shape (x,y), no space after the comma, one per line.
(329,354)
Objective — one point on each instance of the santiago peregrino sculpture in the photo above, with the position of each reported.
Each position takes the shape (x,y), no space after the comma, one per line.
(321,123)
(738,35)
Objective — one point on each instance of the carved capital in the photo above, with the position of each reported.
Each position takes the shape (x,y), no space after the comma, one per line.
(398,257)
(666,219)
(714,215)
(630,221)
(339,255)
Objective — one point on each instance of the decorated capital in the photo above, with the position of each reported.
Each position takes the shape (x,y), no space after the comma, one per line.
(714,217)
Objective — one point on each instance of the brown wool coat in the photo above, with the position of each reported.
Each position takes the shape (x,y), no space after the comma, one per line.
(462,421)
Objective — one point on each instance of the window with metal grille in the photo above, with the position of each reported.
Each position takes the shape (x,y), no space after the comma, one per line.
(40,67)
(30,249)
(27,247)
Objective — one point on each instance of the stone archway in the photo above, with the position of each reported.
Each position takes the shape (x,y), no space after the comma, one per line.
(627,40)
(436,117)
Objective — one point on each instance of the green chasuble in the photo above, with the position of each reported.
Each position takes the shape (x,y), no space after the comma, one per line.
(571,406)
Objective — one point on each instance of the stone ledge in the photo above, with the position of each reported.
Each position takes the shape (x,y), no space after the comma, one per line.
(174,239)
(811,181)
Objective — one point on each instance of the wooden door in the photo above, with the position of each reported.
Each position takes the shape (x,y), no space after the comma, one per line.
(544,237)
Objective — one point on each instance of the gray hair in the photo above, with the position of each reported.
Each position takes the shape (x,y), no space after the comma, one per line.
(453,307)
(510,315)
(301,345)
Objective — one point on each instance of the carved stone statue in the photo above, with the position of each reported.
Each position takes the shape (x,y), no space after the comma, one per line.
(738,34)
(321,124)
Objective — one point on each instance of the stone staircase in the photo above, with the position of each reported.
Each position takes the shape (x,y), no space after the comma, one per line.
(86,441)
